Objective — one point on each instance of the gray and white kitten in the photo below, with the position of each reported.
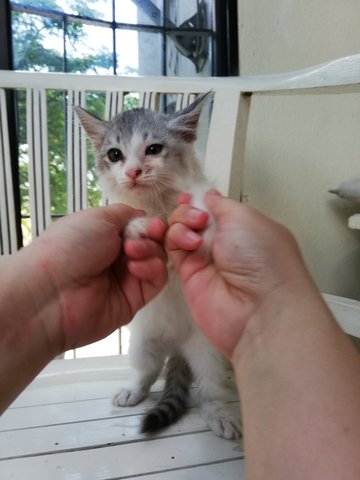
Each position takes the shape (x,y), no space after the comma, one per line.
(145,159)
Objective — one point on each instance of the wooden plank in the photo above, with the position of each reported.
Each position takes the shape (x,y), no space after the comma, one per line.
(229,470)
(61,413)
(124,461)
(92,433)
(346,312)
(230,115)
(354,221)
(58,413)
(75,380)
(8,233)
(83,379)
(67,393)
(337,76)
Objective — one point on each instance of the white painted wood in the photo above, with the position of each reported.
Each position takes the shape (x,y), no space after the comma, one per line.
(114,104)
(91,439)
(51,412)
(227,129)
(226,141)
(76,155)
(228,470)
(39,183)
(94,432)
(8,235)
(354,221)
(126,460)
(329,76)
(346,312)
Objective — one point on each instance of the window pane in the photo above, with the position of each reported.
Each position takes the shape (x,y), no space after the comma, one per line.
(37,43)
(139,53)
(101,9)
(89,48)
(188,54)
(143,12)
(189,14)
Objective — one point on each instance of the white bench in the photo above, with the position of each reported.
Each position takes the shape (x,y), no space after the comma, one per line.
(225,142)
(63,425)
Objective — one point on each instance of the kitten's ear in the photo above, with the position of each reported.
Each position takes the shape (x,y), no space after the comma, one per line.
(185,121)
(93,126)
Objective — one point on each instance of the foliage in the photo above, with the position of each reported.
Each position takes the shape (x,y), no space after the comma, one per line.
(35,39)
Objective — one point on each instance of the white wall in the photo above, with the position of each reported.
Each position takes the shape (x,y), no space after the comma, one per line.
(298,146)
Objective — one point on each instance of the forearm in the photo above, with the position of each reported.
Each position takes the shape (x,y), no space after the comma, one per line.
(26,344)
(299,381)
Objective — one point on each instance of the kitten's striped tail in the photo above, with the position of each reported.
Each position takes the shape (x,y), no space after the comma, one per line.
(172,403)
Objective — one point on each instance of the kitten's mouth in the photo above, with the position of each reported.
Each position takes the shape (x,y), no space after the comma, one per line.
(134,185)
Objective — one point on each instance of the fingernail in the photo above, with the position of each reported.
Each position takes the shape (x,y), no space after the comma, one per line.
(214,192)
(192,236)
(196,214)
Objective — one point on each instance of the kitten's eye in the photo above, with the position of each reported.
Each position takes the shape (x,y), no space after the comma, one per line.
(115,155)
(154,149)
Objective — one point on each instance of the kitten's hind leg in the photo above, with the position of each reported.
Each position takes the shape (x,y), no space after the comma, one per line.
(209,370)
(221,421)
(148,362)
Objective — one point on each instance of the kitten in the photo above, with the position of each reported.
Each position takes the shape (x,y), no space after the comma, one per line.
(145,159)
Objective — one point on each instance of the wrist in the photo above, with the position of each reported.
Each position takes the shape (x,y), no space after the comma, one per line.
(28,300)
(28,319)
(288,308)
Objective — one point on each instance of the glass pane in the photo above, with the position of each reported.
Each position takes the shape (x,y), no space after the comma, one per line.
(188,54)
(37,43)
(89,48)
(189,14)
(143,12)
(138,53)
(100,9)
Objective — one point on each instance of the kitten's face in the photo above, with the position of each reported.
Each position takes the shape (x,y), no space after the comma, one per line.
(143,151)
(139,153)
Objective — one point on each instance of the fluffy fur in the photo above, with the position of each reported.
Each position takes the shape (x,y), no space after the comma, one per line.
(145,159)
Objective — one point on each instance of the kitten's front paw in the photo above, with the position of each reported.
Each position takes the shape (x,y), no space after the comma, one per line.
(137,228)
(128,397)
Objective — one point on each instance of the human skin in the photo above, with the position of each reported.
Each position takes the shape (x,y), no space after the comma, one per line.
(75,284)
(297,372)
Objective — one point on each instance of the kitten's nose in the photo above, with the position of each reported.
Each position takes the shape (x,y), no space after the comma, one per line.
(133,173)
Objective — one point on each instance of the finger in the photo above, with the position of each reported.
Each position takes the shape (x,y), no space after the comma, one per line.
(184,198)
(118,214)
(221,206)
(189,216)
(143,248)
(179,237)
(152,270)
(157,229)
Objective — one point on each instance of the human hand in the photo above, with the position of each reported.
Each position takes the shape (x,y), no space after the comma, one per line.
(253,265)
(95,287)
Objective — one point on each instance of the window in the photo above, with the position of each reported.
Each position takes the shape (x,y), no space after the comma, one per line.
(124,37)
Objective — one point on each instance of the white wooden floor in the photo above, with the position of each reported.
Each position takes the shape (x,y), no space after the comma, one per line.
(64,426)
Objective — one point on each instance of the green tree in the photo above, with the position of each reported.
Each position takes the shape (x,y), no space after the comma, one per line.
(33,36)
